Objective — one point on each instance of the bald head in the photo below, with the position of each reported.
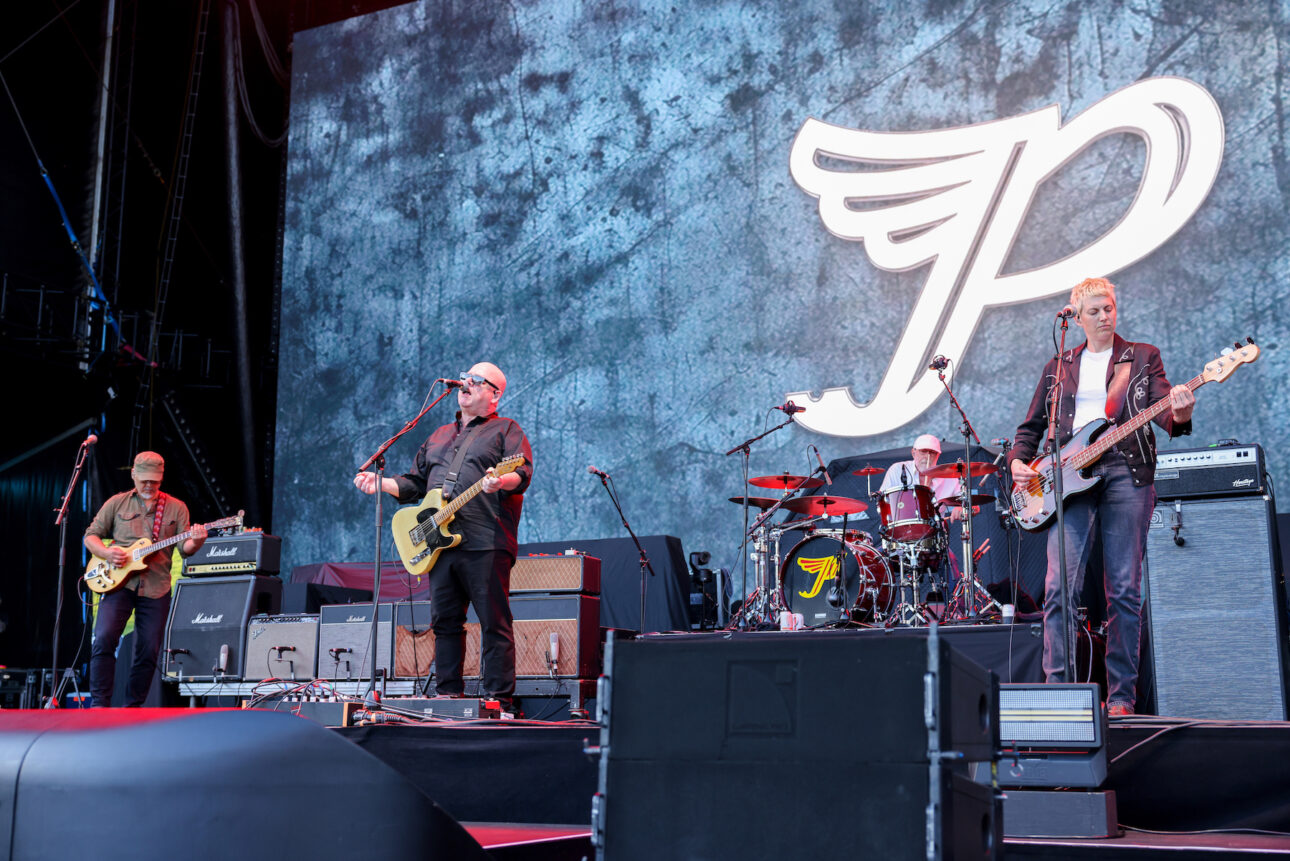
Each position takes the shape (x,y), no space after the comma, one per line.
(492,373)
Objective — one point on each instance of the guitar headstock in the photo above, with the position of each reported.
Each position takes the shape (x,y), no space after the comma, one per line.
(1221,368)
(511,464)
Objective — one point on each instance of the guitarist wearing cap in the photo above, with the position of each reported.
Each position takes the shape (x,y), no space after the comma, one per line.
(1107,377)
(457,456)
(144,512)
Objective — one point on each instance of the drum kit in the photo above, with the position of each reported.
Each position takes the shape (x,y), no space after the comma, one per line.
(839,576)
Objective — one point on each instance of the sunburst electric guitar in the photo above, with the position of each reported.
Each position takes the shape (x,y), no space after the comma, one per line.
(101,577)
(421,531)
(1034,500)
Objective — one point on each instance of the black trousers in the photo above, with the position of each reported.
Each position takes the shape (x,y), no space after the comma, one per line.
(481,579)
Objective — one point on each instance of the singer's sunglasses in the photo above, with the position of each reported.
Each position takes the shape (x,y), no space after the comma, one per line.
(477,380)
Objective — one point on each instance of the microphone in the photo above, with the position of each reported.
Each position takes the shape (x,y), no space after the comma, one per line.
(835,596)
(178,652)
(281,649)
(938,364)
(823,469)
(223,659)
(337,652)
(791,408)
(593,471)
(1066,313)
(90,440)
(452,384)
(904,476)
(1004,444)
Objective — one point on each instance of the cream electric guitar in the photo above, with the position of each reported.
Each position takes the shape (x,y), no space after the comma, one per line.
(1034,501)
(421,531)
(101,577)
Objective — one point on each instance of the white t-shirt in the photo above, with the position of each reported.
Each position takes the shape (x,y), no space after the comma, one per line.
(1090,398)
(941,487)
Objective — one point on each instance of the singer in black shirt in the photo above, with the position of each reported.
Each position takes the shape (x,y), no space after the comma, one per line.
(478,570)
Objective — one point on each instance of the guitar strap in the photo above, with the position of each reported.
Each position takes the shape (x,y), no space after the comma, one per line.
(1116,389)
(451,478)
(157,517)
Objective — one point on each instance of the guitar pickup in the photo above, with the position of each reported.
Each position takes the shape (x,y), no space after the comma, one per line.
(423,554)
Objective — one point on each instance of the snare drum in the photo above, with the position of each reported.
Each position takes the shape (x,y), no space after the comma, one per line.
(908,513)
(811,570)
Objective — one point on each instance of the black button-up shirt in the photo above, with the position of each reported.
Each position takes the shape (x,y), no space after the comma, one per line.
(490,520)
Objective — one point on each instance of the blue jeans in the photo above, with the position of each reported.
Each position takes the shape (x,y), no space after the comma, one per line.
(149,630)
(1121,513)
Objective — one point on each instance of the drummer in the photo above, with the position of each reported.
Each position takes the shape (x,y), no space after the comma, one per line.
(907,473)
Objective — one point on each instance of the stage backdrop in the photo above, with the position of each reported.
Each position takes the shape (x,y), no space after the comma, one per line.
(661,219)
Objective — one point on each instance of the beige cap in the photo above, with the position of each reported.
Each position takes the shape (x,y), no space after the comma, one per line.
(928,442)
(149,466)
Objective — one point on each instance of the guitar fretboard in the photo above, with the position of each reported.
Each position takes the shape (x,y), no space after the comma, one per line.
(1107,441)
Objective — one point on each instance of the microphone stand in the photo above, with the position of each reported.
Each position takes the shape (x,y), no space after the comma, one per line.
(1054,441)
(746,448)
(376,463)
(644,557)
(60,520)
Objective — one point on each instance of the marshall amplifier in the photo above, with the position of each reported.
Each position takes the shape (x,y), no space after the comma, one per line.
(556,636)
(344,641)
(206,631)
(282,647)
(244,553)
(1235,470)
(571,573)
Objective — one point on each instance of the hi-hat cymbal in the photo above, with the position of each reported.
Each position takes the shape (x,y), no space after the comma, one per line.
(868,470)
(762,502)
(784,481)
(977,499)
(955,470)
(813,506)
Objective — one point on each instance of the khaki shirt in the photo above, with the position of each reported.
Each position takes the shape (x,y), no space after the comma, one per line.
(124,520)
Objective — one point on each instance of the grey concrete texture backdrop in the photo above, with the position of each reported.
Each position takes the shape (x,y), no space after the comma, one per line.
(596,197)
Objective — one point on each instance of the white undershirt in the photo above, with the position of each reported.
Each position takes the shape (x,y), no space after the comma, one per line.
(1090,399)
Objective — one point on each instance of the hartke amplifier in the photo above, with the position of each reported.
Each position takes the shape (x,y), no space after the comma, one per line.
(572,573)
(344,641)
(569,622)
(1235,470)
(1217,642)
(246,552)
(282,647)
(206,631)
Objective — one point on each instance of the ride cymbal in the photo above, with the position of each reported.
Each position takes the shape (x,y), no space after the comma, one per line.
(956,470)
(785,481)
(828,506)
(762,502)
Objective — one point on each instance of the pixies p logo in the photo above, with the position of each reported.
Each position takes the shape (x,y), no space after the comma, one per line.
(955,199)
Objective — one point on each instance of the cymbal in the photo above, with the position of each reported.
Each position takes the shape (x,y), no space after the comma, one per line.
(955,470)
(762,502)
(977,499)
(825,505)
(784,481)
(868,470)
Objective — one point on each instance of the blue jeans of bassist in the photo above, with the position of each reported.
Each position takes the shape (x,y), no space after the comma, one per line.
(1120,513)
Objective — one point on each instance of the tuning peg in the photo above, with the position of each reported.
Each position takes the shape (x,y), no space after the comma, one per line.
(1249,340)
(1235,346)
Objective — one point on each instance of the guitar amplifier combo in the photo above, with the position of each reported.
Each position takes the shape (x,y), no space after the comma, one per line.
(569,622)
(246,552)
(344,641)
(1215,610)
(206,631)
(1235,470)
(573,572)
(282,647)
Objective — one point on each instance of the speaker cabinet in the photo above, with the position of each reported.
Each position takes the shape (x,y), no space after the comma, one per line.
(344,641)
(282,647)
(1217,622)
(797,745)
(572,573)
(571,621)
(206,631)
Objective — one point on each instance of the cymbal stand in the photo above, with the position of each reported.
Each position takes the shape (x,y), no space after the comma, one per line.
(965,488)
(963,603)
(746,448)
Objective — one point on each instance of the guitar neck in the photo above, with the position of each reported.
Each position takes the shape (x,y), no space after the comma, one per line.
(457,502)
(1122,432)
(183,536)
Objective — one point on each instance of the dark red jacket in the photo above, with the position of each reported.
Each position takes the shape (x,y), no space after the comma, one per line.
(1147,384)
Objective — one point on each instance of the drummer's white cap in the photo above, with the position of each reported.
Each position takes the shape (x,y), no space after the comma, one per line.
(929,442)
